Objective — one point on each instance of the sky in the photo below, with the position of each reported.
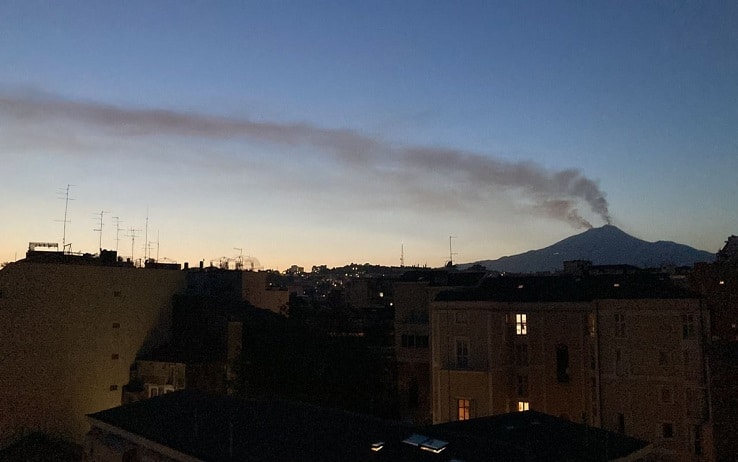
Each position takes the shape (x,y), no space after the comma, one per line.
(334,132)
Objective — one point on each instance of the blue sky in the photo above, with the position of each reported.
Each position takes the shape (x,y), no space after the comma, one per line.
(334,132)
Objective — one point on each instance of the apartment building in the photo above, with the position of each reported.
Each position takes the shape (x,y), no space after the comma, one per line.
(624,352)
(70,327)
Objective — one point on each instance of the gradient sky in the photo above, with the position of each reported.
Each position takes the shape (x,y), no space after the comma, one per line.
(333,132)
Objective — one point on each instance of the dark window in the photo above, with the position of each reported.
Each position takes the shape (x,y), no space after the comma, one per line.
(697,439)
(421,341)
(404,340)
(687,326)
(667,430)
(116,325)
(522,385)
(116,293)
(113,387)
(521,355)
(621,423)
(114,356)
(462,352)
(562,364)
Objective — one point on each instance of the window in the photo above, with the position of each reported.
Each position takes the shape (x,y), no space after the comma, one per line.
(462,352)
(153,391)
(688,326)
(521,355)
(592,358)
(117,293)
(697,437)
(522,385)
(523,406)
(666,395)
(116,325)
(414,341)
(620,325)
(663,358)
(521,324)
(621,423)
(562,363)
(114,356)
(464,409)
(667,430)
(113,387)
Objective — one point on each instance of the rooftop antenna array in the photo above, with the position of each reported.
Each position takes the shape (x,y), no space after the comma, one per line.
(66,198)
(100,229)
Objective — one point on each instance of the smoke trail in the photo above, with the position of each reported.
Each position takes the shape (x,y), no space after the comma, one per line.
(468,176)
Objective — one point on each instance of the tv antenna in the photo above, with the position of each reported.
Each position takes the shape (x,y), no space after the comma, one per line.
(118,229)
(146,236)
(66,198)
(132,234)
(450,251)
(100,229)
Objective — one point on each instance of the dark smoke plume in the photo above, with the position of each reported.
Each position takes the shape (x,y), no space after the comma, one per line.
(467,176)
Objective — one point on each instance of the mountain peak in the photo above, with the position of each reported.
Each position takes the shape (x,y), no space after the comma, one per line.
(606,245)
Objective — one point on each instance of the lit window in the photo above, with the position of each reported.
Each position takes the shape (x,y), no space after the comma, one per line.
(523,406)
(463,407)
(521,324)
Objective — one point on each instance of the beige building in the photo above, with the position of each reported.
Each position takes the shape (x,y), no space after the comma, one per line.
(70,328)
(621,352)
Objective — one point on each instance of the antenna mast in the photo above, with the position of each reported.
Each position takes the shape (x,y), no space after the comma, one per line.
(65,221)
(132,234)
(450,251)
(402,255)
(146,236)
(117,232)
(100,229)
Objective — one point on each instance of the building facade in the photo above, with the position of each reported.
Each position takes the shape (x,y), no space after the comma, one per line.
(69,331)
(624,353)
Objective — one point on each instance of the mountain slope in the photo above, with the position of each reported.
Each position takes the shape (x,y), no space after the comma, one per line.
(607,245)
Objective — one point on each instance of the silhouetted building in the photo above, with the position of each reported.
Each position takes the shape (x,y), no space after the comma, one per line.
(190,426)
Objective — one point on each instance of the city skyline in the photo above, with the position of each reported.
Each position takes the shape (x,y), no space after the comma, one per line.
(303,135)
